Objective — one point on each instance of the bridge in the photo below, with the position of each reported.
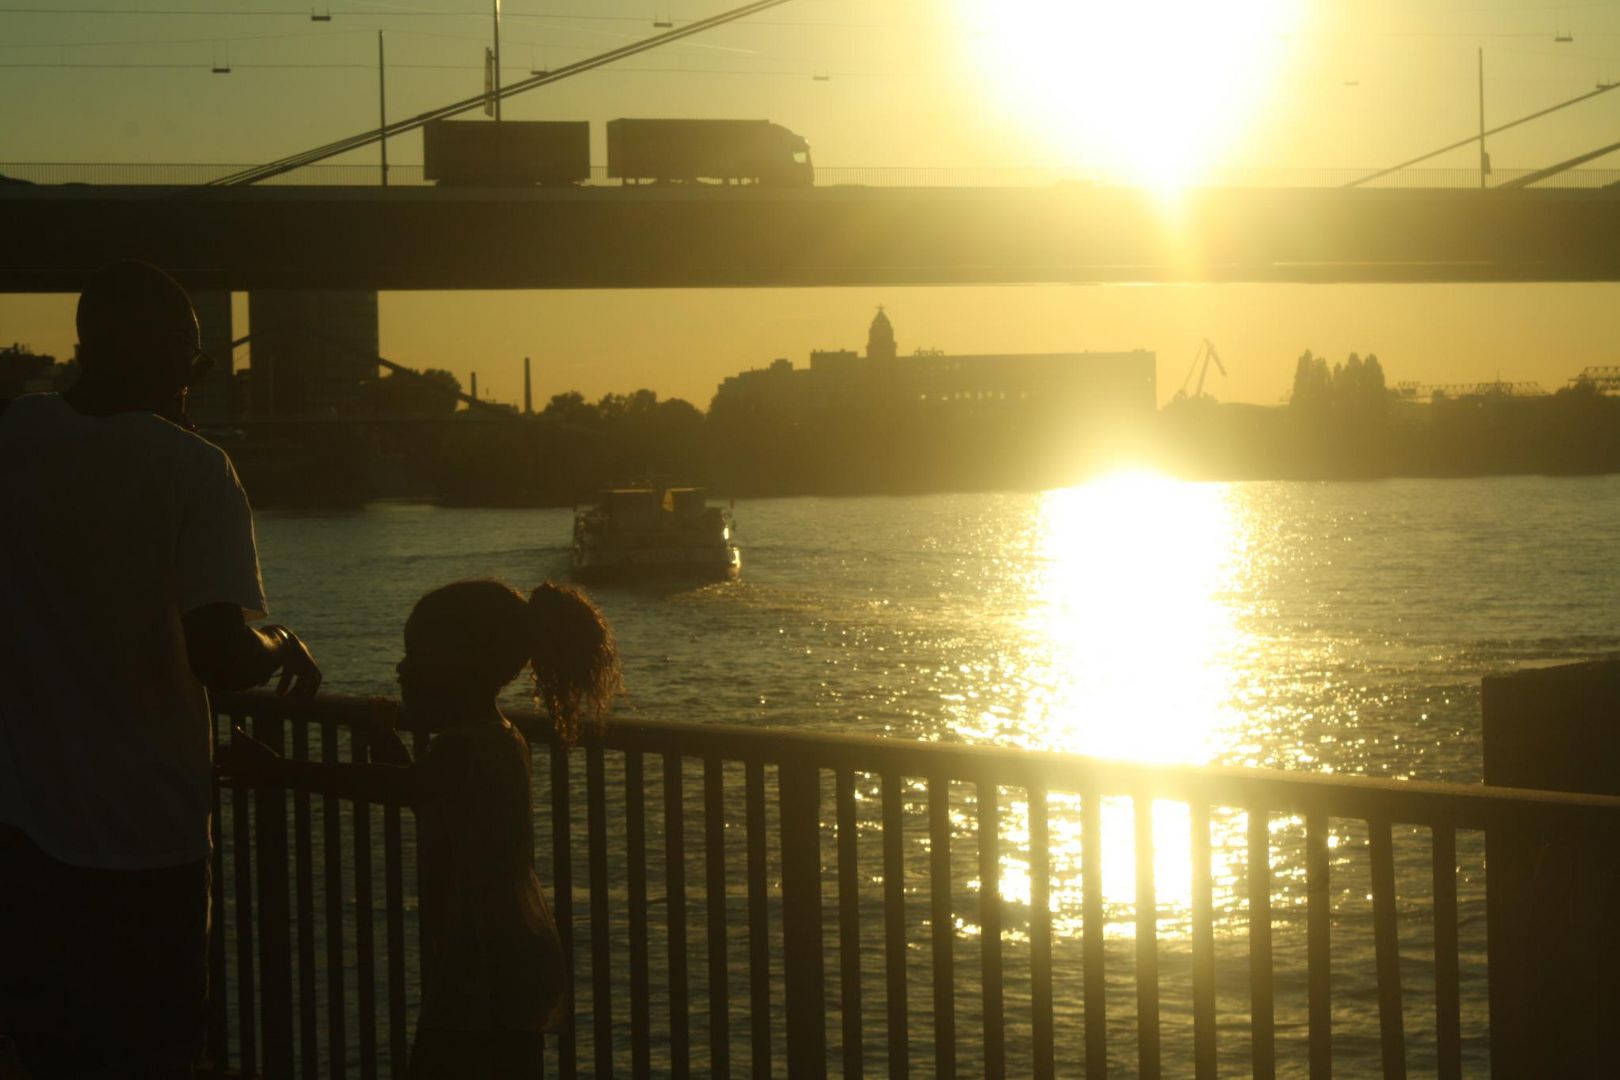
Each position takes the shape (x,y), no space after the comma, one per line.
(403,237)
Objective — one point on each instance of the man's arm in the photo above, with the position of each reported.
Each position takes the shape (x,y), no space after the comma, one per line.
(228,655)
(245,760)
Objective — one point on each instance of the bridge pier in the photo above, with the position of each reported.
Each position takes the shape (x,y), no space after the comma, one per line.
(1553,905)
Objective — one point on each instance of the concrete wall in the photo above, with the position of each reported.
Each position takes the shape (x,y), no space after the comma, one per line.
(1553,904)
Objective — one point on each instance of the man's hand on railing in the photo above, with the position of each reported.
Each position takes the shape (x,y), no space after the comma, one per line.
(247,761)
(300,675)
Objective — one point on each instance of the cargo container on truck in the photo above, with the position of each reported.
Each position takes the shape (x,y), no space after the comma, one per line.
(506,153)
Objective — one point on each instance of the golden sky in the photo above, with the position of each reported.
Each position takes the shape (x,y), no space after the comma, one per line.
(1149,90)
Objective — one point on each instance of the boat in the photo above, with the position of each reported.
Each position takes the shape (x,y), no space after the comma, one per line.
(653,531)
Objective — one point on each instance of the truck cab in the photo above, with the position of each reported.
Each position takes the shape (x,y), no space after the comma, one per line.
(707,151)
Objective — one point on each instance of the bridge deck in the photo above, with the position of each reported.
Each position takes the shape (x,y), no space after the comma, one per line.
(664,237)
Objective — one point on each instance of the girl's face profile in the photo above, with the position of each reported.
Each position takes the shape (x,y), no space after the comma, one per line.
(417,689)
(404,673)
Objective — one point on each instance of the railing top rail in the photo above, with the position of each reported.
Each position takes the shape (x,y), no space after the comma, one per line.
(1368,798)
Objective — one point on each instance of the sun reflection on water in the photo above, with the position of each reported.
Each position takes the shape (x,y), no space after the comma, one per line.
(1131,648)
(1129,622)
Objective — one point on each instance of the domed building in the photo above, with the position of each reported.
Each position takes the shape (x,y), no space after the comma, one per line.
(880,338)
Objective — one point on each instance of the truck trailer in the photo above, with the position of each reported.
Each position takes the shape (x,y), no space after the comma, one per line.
(508,153)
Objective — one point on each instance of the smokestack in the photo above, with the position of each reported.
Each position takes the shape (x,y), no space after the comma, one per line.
(528,390)
(474,392)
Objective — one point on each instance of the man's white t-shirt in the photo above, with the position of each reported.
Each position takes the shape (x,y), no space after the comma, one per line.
(111,528)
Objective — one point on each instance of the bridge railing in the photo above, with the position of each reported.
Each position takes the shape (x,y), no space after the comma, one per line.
(881,906)
(407,175)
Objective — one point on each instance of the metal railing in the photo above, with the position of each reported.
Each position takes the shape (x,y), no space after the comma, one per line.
(409,175)
(844,881)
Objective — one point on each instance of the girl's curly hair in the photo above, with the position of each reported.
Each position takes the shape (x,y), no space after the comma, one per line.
(482,633)
(575,660)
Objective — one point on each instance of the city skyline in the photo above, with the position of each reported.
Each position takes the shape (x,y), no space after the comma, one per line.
(598,341)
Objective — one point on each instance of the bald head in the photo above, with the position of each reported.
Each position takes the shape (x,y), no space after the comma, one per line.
(137,330)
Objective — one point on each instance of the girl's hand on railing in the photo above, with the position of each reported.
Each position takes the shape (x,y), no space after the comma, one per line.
(245,760)
(387,748)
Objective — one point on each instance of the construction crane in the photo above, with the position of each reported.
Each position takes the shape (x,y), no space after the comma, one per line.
(1201,360)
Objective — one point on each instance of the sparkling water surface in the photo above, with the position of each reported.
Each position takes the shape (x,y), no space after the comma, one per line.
(1339,627)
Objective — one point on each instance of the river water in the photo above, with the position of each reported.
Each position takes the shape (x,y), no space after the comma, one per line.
(1338,627)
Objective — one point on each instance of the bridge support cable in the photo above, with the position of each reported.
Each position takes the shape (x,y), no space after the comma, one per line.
(366,138)
(1563,166)
(390,365)
(1477,138)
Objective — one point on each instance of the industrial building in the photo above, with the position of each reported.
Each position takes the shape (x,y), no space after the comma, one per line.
(842,380)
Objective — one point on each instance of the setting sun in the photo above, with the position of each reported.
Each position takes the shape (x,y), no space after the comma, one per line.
(1151,92)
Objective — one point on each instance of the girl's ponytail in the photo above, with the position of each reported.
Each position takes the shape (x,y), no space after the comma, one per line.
(575,660)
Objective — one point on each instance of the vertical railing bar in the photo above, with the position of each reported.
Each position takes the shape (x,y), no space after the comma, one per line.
(680,1045)
(364,919)
(849,927)
(1319,952)
(562,870)
(394,913)
(995,1048)
(218,991)
(635,809)
(1093,956)
(894,925)
(799,796)
(601,945)
(1147,942)
(246,984)
(759,945)
(275,916)
(1387,950)
(304,865)
(1205,1061)
(943,925)
(1447,983)
(419,745)
(1040,937)
(1262,1022)
(714,867)
(337,1055)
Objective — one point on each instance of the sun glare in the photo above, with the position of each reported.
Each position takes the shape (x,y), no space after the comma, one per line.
(1152,92)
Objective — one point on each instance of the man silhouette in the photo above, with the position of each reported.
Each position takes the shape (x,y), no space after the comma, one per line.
(128,574)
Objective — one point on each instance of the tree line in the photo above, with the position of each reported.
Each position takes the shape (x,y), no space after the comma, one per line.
(1344,422)
(1341,421)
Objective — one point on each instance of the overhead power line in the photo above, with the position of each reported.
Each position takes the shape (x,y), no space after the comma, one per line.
(803,73)
(366,138)
(302,14)
(404,13)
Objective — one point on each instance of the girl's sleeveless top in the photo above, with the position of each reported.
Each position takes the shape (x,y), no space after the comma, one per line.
(492,958)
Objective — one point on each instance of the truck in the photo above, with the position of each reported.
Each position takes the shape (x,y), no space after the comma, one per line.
(691,151)
(506,153)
